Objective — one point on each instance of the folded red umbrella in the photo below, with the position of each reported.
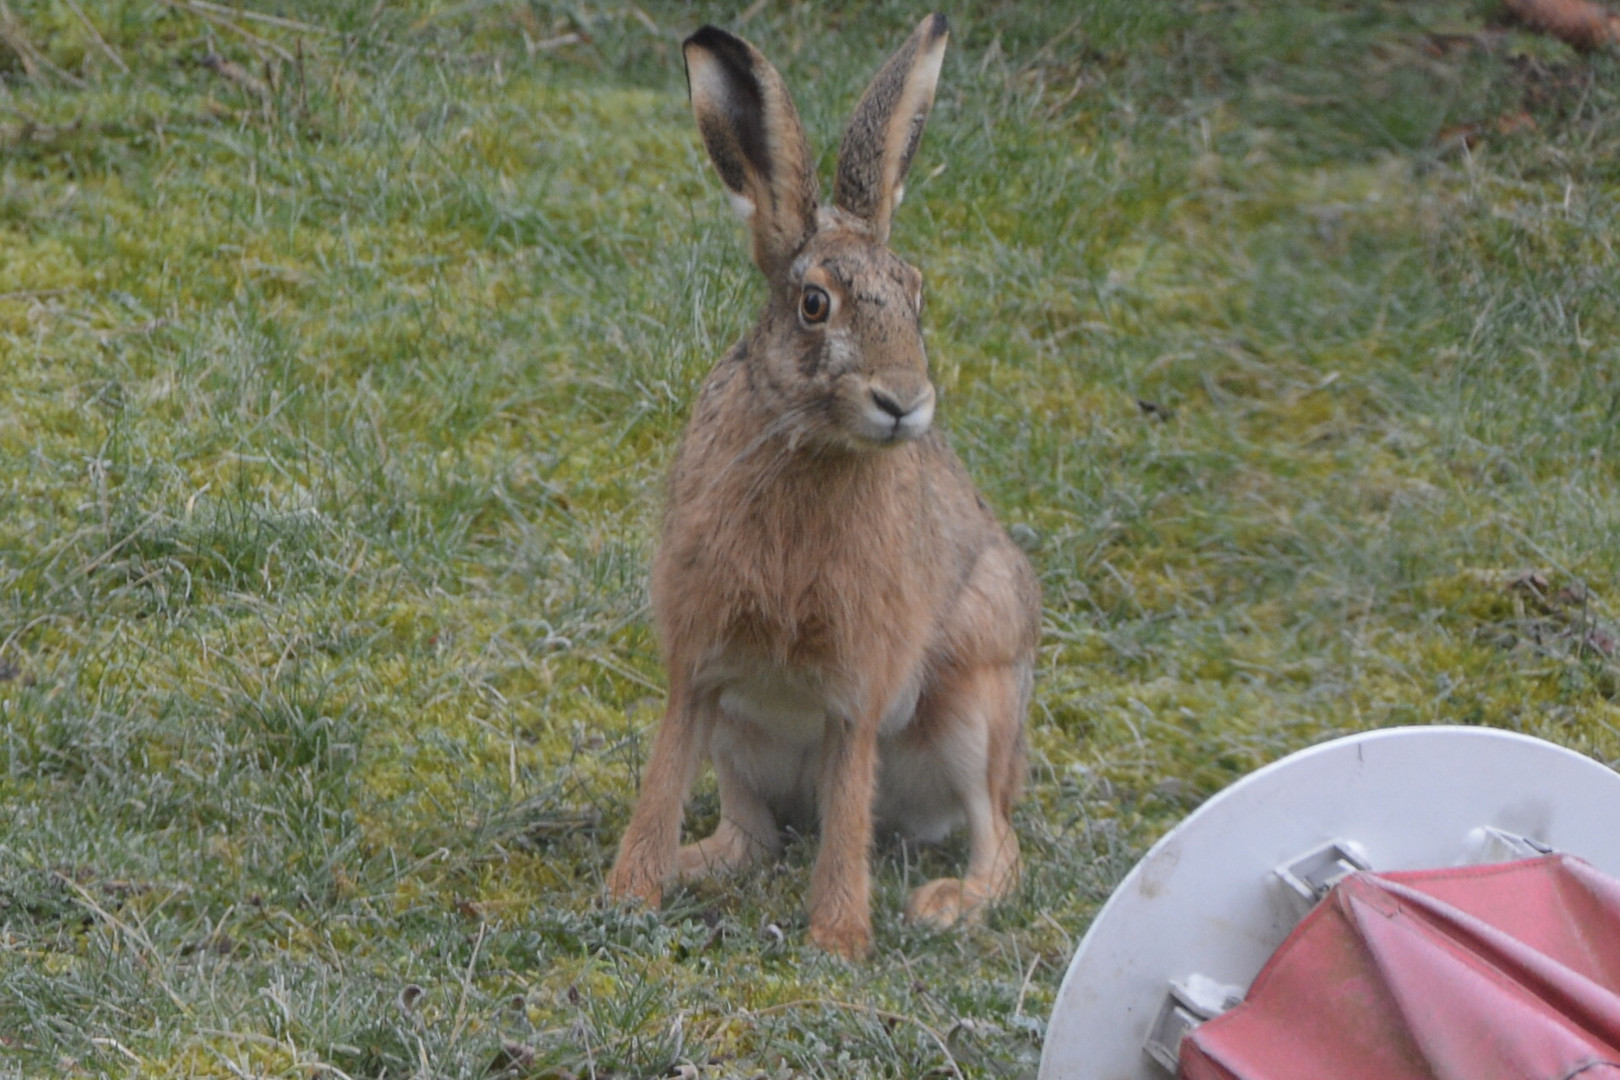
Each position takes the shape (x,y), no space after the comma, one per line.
(1502,972)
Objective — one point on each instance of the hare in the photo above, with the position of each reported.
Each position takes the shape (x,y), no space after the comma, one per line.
(849,634)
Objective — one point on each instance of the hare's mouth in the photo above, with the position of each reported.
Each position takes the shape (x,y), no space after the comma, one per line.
(886,418)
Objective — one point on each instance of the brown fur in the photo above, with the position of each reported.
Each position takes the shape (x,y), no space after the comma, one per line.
(848,632)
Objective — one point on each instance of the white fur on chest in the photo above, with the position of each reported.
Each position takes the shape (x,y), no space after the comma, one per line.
(789,705)
(794,704)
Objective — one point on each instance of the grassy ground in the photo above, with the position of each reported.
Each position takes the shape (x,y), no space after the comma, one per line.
(343,355)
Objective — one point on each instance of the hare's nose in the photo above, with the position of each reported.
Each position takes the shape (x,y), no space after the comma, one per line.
(887,401)
(899,413)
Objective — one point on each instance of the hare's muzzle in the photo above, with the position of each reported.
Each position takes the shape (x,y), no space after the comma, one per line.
(897,413)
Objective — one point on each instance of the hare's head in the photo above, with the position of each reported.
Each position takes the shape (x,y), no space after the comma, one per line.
(839,350)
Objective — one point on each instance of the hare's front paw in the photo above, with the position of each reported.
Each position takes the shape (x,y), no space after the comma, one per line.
(729,848)
(945,902)
(632,881)
(695,861)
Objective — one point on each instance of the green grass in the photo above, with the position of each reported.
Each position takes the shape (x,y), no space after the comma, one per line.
(332,430)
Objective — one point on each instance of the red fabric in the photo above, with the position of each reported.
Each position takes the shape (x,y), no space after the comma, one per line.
(1504,972)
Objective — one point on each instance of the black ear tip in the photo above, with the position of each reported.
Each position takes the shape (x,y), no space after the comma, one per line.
(709,37)
(938,26)
(728,48)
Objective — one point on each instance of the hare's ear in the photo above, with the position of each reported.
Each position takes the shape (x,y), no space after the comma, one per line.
(755,141)
(887,126)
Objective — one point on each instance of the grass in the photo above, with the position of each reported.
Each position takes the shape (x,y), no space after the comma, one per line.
(338,395)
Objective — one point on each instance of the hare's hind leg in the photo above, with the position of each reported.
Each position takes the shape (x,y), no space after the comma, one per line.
(747,833)
(974,721)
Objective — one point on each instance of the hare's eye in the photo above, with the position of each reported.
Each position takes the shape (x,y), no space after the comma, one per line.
(815,305)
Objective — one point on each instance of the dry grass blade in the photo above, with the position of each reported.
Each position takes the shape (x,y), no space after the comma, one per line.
(119,1048)
(645,20)
(261,17)
(236,73)
(460,1022)
(33,294)
(137,939)
(33,61)
(95,35)
(217,15)
(532,46)
(454,11)
(881,1014)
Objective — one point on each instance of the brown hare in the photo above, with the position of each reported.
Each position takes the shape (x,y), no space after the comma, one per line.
(849,634)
